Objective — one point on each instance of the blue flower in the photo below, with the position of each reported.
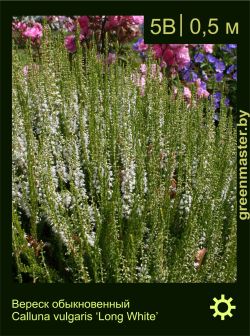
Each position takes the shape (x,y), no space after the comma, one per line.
(136,44)
(227,101)
(217,99)
(190,76)
(235,75)
(230,69)
(211,58)
(219,77)
(204,75)
(203,85)
(199,58)
(219,66)
(217,96)
(231,46)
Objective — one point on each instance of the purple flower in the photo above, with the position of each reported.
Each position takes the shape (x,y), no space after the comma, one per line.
(216,104)
(140,45)
(203,85)
(204,75)
(227,101)
(217,96)
(219,66)
(190,76)
(219,77)
(235,75)
(202,89)
(231,46)
(211,58)
(199,58)
(230,69)
(216,99)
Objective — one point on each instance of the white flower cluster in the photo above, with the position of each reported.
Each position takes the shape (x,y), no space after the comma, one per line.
(117,176)
(19,154)
(203,239)
(185,203)
(195,164)
(83,120)
(128,175)
(96,180)
(110,180)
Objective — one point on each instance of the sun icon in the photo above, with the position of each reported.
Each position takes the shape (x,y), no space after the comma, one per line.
(223,301)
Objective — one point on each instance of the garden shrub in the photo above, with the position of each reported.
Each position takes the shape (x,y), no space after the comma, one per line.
(112,184)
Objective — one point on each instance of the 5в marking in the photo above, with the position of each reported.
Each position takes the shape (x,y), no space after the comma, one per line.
(194,26)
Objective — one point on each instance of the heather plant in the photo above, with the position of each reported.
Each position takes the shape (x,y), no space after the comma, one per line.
(112,185)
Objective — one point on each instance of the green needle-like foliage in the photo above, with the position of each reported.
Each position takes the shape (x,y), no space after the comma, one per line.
(112,185)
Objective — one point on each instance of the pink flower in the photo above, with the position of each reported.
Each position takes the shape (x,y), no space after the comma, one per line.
(156,72)
(143,69)
(208,48)
(201,89)
(174,55)
(168,56)
(21,26)
(125,27)
(187,92)
(84,24)
(138,19)
(69,25)
(25,70)
(29,68)
(153,73)
(70,44)
(177,46)
(157,50)
(143,81)
(140,81)
(202,93)
(182,57)
(175,90)
(34,32)
(111,58)
(112,22)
